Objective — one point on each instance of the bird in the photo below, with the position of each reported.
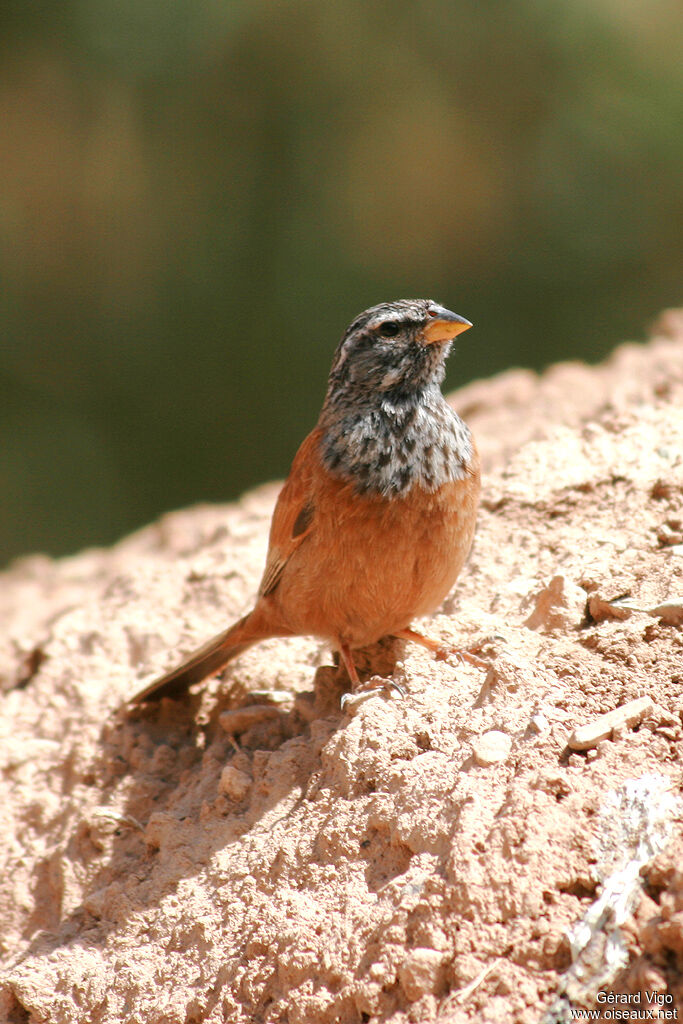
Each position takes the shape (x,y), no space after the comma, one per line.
(377,515)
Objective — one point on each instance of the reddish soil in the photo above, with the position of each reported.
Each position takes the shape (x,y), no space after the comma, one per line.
(397,863)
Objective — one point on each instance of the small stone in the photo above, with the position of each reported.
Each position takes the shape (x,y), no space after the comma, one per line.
(160,826)
(241,719)
(234,783)
(492,747)
(381,973)
(669,734)
(559,605)
(274,697)
(669,612)
(551,780)
(601,608)
(419,972)
(668,535)
(612,722)
(538,723)
(164,759)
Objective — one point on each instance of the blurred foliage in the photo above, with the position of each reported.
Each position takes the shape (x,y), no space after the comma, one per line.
(196,198)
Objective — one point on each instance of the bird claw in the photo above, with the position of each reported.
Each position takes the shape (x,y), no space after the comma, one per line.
(460,655)
(468,655)
(350,702)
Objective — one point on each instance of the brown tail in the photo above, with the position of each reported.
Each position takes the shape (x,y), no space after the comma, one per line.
(204,662)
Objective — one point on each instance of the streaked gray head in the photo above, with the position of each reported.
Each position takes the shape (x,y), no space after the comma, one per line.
(396,348)
(385,424)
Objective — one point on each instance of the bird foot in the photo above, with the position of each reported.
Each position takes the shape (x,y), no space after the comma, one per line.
(463,655)
(350,702)
(444,652)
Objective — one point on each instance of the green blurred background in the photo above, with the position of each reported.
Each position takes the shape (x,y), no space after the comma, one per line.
(196,198)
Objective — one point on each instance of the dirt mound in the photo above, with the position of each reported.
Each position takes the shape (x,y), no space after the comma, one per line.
(447,856)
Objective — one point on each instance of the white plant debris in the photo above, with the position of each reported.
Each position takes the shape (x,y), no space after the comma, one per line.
(634,824)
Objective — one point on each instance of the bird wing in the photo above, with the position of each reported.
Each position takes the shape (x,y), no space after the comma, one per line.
(294,514)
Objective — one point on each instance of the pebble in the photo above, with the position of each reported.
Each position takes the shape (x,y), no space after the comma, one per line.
(241,719)
(617,721)
(419,972)
(669,612)
(273,696)
(539,723)
(600,608)
(492,747)
(234,783)
(559,605)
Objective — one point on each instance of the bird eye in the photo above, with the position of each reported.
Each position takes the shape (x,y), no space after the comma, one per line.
(389,329)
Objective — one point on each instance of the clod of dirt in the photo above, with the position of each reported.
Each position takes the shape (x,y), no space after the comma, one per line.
(559,605)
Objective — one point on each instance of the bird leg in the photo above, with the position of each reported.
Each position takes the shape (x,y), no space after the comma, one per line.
(345,652)
(442,651)
(349,701)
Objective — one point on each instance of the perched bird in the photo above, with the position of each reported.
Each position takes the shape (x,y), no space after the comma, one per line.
(377,515)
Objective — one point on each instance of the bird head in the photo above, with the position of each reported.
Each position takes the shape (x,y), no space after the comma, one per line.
(394,349)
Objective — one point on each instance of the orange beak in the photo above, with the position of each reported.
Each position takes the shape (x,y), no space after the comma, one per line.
(443,326)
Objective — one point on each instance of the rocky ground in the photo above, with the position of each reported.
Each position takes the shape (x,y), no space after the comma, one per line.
(443,857)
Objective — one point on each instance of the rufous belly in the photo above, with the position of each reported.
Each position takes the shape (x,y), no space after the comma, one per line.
(371,565)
